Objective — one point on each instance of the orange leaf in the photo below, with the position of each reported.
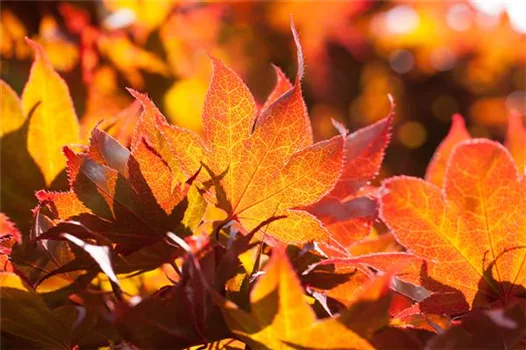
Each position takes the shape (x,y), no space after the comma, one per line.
(515,143)
(261,168)
(8,229)
(127,197)
(364,153)
(471,233)
(347,214)
(9,235)
(282,86)
(182,148)
(53,122)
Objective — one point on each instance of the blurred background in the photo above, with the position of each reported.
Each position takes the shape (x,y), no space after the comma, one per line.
(435,57)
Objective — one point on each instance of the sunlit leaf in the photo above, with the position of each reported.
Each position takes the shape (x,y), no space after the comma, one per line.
(470,232)
(11,109)
(280,316)
(265,167)
(54,122)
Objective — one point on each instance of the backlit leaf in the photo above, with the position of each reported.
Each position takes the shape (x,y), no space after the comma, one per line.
(21,176)
(11,109)
(281,318)
(347,213)
(54,122)
(180,147)
(470,232)
(129,198)
(8,230)
(261,168)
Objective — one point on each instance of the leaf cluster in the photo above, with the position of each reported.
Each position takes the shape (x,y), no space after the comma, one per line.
(252,236)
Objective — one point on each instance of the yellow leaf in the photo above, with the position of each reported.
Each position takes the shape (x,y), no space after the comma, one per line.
(280,316)
(11,109)
(53,121)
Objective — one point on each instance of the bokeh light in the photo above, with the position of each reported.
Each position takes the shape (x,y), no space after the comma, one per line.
(435,58)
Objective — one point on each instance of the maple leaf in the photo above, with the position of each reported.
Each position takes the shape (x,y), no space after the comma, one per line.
(515,143)
(264,166)
(470,232)
(54,122)
(182,148)
(281,318)
(9,235)
(348,211)
(11,111)
(128,197)
(33,133)
(8,230)
(185,314)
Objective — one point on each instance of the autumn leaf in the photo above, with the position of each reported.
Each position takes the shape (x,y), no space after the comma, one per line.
(470,232)
(267,166)
(8,230)
(9,235)
(281,318)
(54,122)
(515,143)
(348,211)
(33,260)
(281,87)
(121,198)
(181,315)
(21,176)
(182,148)
(128,197)
(12,116)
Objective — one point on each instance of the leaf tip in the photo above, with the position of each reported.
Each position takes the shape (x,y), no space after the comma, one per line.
(457,121)
(43,195)
(68,152)
(299,51)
